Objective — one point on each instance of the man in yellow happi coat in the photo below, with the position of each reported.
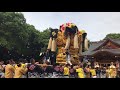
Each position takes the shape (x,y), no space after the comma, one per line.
(9,70)
(80,72)
(19,71)
(113,72)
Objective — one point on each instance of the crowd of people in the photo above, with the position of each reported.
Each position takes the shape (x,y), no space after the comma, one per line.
(23,69)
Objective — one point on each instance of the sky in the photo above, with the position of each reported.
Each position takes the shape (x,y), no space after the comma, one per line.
(96,24)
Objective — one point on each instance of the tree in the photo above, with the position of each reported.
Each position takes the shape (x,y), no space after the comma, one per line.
(12,29)
(19,37)
(45,39)
(113,36)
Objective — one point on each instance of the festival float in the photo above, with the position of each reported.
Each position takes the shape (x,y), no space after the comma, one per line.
(68,38)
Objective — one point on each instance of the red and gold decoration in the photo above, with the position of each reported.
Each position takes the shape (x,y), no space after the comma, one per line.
(69,38)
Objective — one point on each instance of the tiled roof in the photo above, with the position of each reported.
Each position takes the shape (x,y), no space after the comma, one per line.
(95,45)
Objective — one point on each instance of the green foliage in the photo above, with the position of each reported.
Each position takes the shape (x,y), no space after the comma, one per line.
(16,34)
(45,38)
(113,36)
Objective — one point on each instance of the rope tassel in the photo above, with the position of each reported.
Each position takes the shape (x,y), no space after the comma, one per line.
(53,48)
(67,43)
(76,41)
(50,43)
(80,46)
(86,44)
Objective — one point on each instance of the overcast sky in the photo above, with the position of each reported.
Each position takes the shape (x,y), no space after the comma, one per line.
(96,24)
